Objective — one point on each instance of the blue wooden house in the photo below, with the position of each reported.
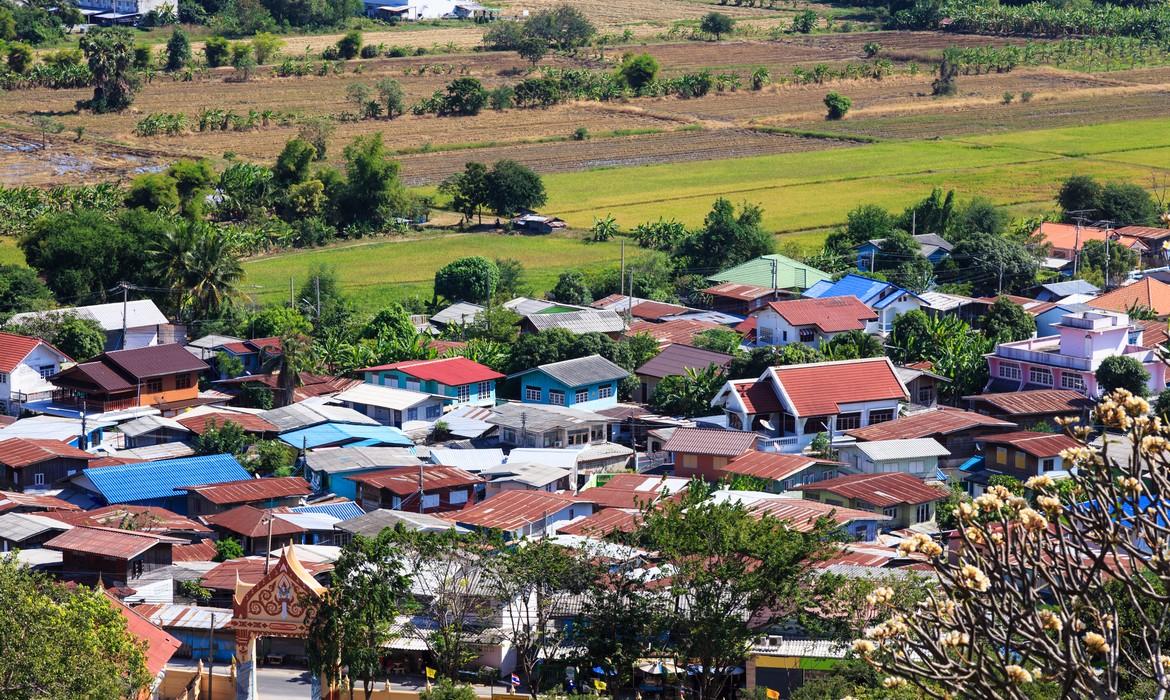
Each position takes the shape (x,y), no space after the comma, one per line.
(933,247)
(464,381)
(588,383)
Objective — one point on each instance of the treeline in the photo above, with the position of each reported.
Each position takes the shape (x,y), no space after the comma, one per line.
(1144,21)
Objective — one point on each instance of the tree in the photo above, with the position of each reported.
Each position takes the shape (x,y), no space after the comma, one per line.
(978,216)
(571,289)
(178,50)
(556,344)
(804,22)
(717,24)
(541,579)
(1027,605)
(688,395)
(953,348)
(47,125)
(292,165)
(21,290)
(83,253)
(1162,405)
(512,187)
(350,45)
(1118,259)
(532,49)
(110,53)
(20,58)
(638,70)
(446,689)
(1125,203)
(1123,372)
(373,194)
(718,340)
(1007,322)
(503,36)
(392,96)
(243,61)
(199,264)
(218,439)
(468,190)
(1079,193)
(495,324)
(359,95)
(356,620)
(603,229)
(193,183)
(900,259)
(868,222)
(266,47)
(727,238)
(663,235)
(948,69)
(837,105)
(563,27)
(216,51)
(79,338)
(153,191)
(931,215)
(995,264)
(64,642)
(850,345)
(228,548)
(512,282)
(278,320)
(472,279)
(465,97)
(317,131)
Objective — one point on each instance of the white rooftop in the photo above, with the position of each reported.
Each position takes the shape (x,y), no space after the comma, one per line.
(885,450)
(138,313)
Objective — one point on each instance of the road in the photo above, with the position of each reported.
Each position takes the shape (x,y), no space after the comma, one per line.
(283,684)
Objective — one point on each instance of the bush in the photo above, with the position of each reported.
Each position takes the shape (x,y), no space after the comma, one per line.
(837,105)
(503,36)
(804,22)
(349,45)
(216,51)
(501,98)
(20,58)
(369,51)
(638,70)
(717,24)
(1008,97)
(465,97)
(580,134)
(1026,96)
(871,49)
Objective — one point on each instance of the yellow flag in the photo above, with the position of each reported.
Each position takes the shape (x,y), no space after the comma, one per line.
(431,673)
(772,694)
(600,685)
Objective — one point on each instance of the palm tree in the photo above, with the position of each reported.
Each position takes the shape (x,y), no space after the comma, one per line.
(199,264)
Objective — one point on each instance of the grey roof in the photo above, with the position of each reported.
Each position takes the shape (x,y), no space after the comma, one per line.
(884,450)
(213,341)
(18,527)
(139,313)
(149,424)
(525,305)
(564,458)
(909,374)
(467,421)
(313,411)
(539,418)
(676,359)
(340,460)
(470,460)
(583,321)
(372,523)
(928,243)
(1064,289)
(166,450)
(527,473)
(581,371)
(463,312)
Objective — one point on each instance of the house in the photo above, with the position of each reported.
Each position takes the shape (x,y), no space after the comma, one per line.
(442,489)
(391,406)
(372,524)
(595,458)
(1024,454)
(526,476)
(791,405)
(1155,240)
(251,527)
(346,434)
(199,422)
(462,313)
(25,366)
(107,12)
(271,492)
(918,457)
(155,483)
(779,472)
(1028,408)
(632,491)
(460,381)
(165,377)
(932,246)
(17,502)
(1070,360)
(533,425)
(313,411)
(326,470)
(905,499)
(192,625)
(582,321)
(812,322)
(772,272)
(739,299)
(1048,315)
(28,530)
(703,452)
(537,223)
(681,331)
(1067,240)
(956,430)
(36,465)
(144,324)
(116,556)
(1147,292)
(922,385)
(253,354)
(1057,291)
(803,515)
(153,430)
(307,385)
(518,514)
(887,299)
(138,518)
(967,309)
(674,361)
(587,383)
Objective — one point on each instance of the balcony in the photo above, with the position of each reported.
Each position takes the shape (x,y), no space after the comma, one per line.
(788,443)
(1042,351)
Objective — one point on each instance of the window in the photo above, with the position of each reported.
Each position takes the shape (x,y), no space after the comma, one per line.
(1040,375)
(183,381)
(153,386)
(3,377)
(604,392)
(807,335)
(508,435)
(381,414)
(556,397)
(926,394)
(890,512)
(46,371)
(765,335)
(580,437)
(581,396)
(1001,455)
(1020,460)
(39,479)
(430,500)
(1047,465)
(412,414)
(849,421)
(396,502)
(923,513)
(457,497)
(413,385)
(785,336)
(532,393)
(1068,380)
(883,416)
(464,392)
(1009,371)
(434,412)
(484,390)
(734,421)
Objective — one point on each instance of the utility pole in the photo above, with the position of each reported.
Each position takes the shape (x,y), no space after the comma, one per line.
(291,301)
(317,290)
(1079,217)
(999,289)
(622,275)
(1108,242)
(211,656)
(420,488)
(775,275)
(125,300)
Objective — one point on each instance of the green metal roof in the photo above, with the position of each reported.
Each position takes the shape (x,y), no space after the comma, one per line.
(790,274)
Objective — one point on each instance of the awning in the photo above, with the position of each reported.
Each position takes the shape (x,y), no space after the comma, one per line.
(973,464)
(115,15)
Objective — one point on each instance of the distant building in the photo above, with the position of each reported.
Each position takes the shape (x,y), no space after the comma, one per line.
(38,465)
(1148,292)
(772,272)
(25,367)
(1025,454)
(705,452)
(156,483)
(812,322)
(887,299)
(520,514)
(117,556)
(271,492)
(588,383)
(459,380)
(904,499)
(956,430)
(674,361)
(932,246)
(144,324)
(441,489)
(165,377)
(580,321)
(918,457)
(740,299)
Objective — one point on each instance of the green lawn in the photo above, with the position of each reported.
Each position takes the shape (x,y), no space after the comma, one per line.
(376,272)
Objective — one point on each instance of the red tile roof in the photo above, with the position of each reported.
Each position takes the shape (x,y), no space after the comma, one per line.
(757,397)
(14,500)
(251,490)
(128,517)
(203,550)
(818,389)
(250,422)
(249,570)
(1147,292)
(654,310)
(403,481)
(446,347)
(603,523)
(768,465)
(239,348)
(802,515)
(270,345)
(159,645)
(1035,444)
(94,374)
(740,292)
(724,443)
(1067,236)
(511,510)
(1146,233)
(1154,333)
(682,330)
(830,314)
(252,522)
(153,361)
(1035,402)
(108,541)
(14,348)
(943,421)
(450,371)
(22,452)
(881,490)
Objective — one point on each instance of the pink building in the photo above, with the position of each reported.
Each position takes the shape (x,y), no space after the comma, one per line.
(1070,360)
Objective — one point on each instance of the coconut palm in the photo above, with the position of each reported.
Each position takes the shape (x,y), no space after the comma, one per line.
(198,263)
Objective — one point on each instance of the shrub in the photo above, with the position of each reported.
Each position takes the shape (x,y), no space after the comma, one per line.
(638,70)
(1008,97)
(20,58)
(501,98)
(216,51)
(804,22)
(580,134)
(349,45)
(871,49)
(397,52)
(369,51)
(1026,96)
(760,77)
(837,104)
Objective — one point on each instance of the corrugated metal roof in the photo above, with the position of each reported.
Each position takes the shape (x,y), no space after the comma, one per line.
(789,273)
(145,481)
(603,522)
(11,500)
(131,517)
(831,315)
(186,616)
(333,460)
(252,522)
(153,361)
(677,358)
(1034,443)
(18,527)
(404,481)
(372,523)
(108,542)
(525,305)
(541,418)
(451,371)
(885,450)
(676,331)
(773,466)
(463,312)
(580,371)
(158,646)
(384,397)
(471,460)
(549,456)
(802,515)
(534,475)
(341,433)
(149,424)
(250,490)
(881,490)
(583,321)
(725,443)
(139,313)
(512,510)
(343,510)
(21,452)
(310,521)
(1035,402)
(167,450)
(654,310)
(14,348)
(251,423)
(943,421)
(741,292)
(313,411)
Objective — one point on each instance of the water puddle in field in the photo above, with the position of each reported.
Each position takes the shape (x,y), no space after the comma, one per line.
(24,161)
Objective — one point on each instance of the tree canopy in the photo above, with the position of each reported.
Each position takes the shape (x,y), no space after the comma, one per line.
(472,279)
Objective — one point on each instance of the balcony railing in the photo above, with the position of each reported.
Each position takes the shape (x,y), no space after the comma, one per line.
(788,443)
(1050,359)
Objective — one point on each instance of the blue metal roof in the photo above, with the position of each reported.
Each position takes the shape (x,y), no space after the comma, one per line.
(864,288)
(972,464)
(339,433)
(143,481)
(342,511)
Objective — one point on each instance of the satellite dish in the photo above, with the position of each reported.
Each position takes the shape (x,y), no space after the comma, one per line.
(767,426)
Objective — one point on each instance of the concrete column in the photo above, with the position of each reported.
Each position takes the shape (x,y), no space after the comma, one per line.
(245,666)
